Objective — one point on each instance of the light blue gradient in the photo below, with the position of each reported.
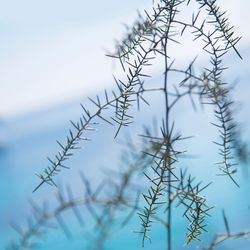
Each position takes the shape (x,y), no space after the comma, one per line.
(29,138)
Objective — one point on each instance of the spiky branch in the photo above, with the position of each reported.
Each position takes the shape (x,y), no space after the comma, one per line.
(221,237)
(150,38)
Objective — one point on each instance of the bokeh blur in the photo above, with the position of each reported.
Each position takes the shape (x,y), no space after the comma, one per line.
(52,57)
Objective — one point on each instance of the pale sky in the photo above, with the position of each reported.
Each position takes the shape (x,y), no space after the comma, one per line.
(53,51)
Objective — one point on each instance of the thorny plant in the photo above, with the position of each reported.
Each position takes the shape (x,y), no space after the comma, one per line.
(151,39)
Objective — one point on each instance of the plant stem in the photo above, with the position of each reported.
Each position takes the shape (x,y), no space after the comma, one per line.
(167,132)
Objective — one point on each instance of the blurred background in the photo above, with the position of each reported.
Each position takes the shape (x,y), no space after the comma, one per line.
(52,57)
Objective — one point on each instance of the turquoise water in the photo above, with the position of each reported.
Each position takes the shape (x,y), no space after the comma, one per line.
(32,137)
